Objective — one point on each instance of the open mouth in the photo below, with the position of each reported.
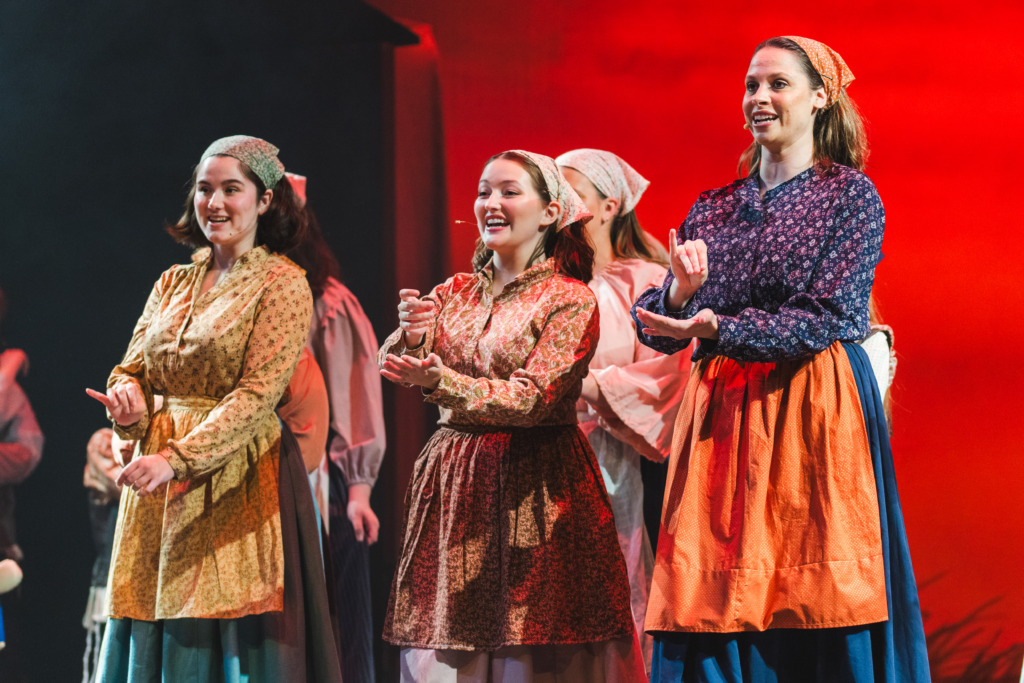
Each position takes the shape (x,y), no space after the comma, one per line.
(761,119)
(495,223)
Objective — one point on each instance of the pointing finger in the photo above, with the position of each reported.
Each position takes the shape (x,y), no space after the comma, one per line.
(102,398)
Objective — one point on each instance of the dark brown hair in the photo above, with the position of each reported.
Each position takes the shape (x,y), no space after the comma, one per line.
(315,256)
(839,135)
(280,227)
(569,246)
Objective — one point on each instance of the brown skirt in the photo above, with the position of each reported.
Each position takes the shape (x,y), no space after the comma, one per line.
(770,517)
(509,540)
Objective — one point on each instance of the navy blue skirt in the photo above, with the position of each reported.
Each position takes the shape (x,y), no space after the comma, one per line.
(893,651)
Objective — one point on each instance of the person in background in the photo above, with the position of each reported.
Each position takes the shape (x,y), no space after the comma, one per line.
(216,573)
(304,409)
(784,553)
(21,448)
(510,568)
(343,343)
(632,393)
(100,481)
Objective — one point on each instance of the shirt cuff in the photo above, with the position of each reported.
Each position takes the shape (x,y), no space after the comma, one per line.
(663,309)
(176,462)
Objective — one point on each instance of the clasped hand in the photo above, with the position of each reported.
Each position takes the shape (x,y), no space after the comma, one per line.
(415,316)
(689,263)
(425,373)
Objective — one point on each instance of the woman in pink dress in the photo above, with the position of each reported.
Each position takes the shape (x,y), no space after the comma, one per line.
(632,394)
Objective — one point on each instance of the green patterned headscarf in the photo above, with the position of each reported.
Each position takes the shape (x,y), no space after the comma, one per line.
(257,154)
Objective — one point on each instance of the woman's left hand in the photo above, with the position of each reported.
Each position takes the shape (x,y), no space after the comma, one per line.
(364,520)
(145,473)
(425,373)
(704,325)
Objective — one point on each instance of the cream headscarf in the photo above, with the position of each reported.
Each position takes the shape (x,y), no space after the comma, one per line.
(559,188)
(610,174)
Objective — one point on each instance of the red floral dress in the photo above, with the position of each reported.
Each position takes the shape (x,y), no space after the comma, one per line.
(509,537)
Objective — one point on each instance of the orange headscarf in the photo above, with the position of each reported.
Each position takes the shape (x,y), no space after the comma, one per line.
(828,64)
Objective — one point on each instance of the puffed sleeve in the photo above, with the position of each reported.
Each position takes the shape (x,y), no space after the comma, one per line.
(21,440)
(344,343)
(132,367)
(639,401)
(279,331)
(554,368)
(834,305)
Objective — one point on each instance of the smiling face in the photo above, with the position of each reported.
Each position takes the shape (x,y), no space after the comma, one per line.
(779,103)
(227,204)
(510,213)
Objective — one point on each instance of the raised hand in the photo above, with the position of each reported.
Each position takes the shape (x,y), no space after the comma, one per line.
(415,316)
(689,263)
(411,370)
(704,325)
(124,402)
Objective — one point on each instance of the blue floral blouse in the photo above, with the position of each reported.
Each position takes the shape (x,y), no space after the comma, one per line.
(789,274)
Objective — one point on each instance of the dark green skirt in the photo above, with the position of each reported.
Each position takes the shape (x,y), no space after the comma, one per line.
(298,644)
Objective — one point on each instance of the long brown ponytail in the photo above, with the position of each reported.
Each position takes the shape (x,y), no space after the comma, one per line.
(839,135)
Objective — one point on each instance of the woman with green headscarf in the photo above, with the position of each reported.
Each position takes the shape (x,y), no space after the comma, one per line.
(206,576)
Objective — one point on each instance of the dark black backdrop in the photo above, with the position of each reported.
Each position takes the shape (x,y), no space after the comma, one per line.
(105,107)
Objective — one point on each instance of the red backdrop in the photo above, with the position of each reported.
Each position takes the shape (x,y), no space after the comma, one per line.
(660,84)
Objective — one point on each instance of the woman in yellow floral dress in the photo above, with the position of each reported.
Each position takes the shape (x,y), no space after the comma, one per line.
(510,567)
(198,588)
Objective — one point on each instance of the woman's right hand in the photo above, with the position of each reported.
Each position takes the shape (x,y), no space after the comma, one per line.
(689,263)
(124,402)
(415,316)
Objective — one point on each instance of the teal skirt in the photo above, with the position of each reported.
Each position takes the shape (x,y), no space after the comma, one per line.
(298,644)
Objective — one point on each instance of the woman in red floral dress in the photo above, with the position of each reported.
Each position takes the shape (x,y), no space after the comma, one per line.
(510,567)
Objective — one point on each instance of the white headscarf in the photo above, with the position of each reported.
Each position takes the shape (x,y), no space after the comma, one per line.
(610,174)
(559,188)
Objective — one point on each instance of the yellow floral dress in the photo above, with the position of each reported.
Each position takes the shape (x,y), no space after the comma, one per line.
(208,543)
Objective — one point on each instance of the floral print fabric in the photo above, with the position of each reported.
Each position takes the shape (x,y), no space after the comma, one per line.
(788,274)
(208,543)
(509,537)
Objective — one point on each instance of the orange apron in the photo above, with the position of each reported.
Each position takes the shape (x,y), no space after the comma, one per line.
(770,517)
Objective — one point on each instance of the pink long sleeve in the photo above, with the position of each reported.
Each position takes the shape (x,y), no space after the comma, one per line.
(640,388)
(343,343)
